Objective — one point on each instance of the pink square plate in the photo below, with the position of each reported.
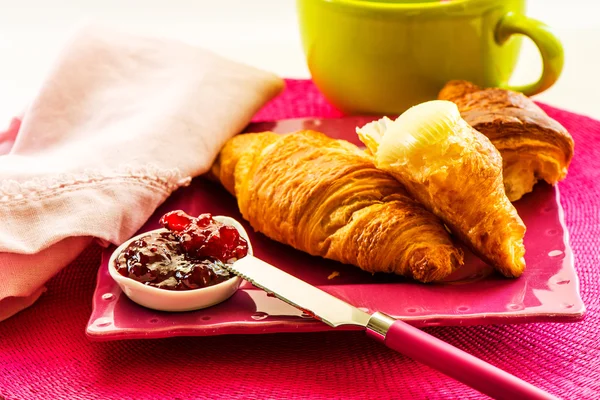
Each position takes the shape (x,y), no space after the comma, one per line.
(547,291)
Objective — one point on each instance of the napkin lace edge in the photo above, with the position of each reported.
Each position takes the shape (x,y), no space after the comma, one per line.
(162,178)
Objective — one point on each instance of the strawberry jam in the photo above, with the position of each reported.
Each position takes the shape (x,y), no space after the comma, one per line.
(191,255)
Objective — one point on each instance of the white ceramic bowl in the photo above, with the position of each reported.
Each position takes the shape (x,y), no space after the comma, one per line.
(180,300)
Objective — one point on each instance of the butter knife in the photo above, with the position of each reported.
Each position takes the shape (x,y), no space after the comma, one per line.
(394,333)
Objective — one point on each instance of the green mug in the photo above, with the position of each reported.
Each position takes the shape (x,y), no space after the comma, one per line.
(384,56)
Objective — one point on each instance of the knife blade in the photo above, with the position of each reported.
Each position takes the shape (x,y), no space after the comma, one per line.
(313,301)
(394,333)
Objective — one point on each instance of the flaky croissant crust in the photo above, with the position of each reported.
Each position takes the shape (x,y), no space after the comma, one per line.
(456,175)
(533,145)
(325,197)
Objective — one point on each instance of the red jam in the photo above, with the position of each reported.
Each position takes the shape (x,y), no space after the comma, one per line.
(191,255)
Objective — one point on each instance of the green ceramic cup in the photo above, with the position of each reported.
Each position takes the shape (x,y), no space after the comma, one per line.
(383,56)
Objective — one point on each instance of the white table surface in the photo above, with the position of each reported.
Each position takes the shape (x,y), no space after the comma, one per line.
(263,33)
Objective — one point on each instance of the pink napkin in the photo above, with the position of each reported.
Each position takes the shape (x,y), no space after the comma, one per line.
(119,123)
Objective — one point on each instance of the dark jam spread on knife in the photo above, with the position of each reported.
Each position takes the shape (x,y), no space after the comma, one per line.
(191,255)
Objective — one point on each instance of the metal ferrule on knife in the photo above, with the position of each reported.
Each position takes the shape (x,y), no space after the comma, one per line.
(378,325)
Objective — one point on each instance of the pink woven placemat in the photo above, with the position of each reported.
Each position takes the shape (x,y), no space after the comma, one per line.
(44,353)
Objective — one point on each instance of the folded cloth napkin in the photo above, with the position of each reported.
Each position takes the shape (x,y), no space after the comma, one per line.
(119,123)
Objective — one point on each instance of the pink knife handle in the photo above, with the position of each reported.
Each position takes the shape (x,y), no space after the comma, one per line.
(457,364)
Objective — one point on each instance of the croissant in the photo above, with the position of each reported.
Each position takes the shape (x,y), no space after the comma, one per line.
(325,197)
(456,173)
(533,145)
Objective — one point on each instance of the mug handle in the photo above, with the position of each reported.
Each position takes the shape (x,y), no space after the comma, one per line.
(548,44)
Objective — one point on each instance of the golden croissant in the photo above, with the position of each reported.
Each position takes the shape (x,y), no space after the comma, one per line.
(325,197)
(456,173)
(533,145)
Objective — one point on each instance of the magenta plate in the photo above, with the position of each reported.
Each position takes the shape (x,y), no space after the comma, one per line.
(547,291)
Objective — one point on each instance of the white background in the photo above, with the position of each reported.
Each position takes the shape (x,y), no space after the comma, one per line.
(263,33)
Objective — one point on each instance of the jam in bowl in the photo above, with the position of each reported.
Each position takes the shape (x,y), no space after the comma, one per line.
(181,267)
